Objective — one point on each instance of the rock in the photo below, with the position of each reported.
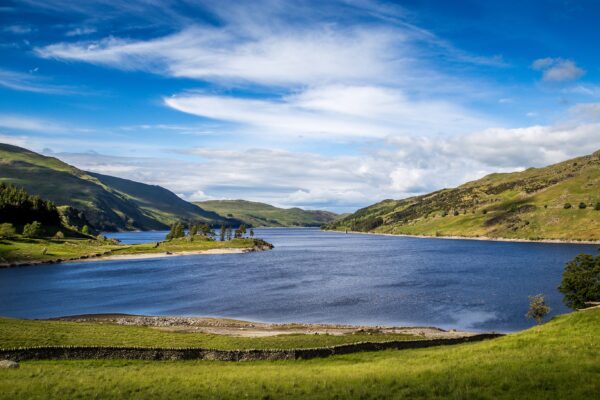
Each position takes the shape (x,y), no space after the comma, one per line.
(9,364)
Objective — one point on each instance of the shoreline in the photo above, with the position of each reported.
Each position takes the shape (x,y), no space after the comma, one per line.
(481,238)
(143,256)
(109,256)
(244,328)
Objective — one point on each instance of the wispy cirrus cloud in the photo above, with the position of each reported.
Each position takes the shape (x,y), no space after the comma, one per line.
(360,111)
(31,83)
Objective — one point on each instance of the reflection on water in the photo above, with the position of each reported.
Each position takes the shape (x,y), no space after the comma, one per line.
(310,276)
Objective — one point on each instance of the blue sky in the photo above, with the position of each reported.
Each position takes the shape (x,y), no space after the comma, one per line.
(314,104)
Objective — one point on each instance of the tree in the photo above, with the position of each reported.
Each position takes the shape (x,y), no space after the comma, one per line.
(85,230)
(228,233)
(240,231)
(33,229)
(567,206)
(251,232)
(581,281)
(582,205)
(177,231)
(7,230)
(222,233)
(537,308)
(193,230)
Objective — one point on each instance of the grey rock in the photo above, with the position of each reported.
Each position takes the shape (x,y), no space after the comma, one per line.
(9,364)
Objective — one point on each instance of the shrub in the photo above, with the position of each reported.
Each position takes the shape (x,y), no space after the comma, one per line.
(581,281)
(85,230)
(597,207)
(484,212)
(582,205)
(456,213)
(33,229)
(537,308)
(59,235)
(567,206)
(7,230)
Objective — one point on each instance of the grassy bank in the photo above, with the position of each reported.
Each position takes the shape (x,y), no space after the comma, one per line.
(560,359)
(25,250)
(26,333)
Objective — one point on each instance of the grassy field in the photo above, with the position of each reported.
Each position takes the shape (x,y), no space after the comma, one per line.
(21,250)
(261,214)
(27,333)
(520,205)
(559,360)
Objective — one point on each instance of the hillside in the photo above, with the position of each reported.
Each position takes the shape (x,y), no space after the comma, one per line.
(261,214)
(560,201)
(108,203)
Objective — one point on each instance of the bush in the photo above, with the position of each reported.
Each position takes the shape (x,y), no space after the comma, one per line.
(85,230)
(582,205)
(456,213)
(537,308)
(59,235)
(597,207)
(33,229)
(567,206)
(484,212)
(7,230)
(581,281)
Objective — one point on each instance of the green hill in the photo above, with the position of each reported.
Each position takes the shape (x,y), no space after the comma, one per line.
(109,203)
(561,201)
(261,214)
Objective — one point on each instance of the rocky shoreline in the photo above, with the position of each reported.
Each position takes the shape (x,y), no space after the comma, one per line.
(233,327)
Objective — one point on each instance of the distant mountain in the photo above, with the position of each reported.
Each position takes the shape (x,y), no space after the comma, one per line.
(261,214)
(108,203)
(561,201)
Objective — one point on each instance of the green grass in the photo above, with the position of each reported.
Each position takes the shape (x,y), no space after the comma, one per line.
(559,360)
(22,250)
(27,333)
(261,214)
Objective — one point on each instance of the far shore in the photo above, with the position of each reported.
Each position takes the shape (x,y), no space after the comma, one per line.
(482,238)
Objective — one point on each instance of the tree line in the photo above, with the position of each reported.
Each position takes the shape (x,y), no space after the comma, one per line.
(225,232)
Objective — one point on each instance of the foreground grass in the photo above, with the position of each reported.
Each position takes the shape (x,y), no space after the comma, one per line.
(27,333)
(560,360)
(23,250)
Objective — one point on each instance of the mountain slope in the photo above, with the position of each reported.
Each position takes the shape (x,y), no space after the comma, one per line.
(532,204)
(261,214)
(108,203)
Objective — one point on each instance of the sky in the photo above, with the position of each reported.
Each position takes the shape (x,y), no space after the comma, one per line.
(317,104)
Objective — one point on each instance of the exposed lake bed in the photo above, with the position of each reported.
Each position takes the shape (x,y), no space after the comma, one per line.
(309,277)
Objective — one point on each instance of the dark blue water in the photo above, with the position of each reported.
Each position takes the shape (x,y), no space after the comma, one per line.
(310,276)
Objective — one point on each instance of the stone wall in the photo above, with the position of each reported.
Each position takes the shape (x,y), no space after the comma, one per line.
(142,353)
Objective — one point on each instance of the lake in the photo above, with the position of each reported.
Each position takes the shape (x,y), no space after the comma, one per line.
(310,276)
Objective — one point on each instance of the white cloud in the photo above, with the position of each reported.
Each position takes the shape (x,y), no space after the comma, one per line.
(81,31)
(14,140)
(26,123)
(405,166)
(17,29)
(558,69)
(365,111)
(295,57)
(30,83)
